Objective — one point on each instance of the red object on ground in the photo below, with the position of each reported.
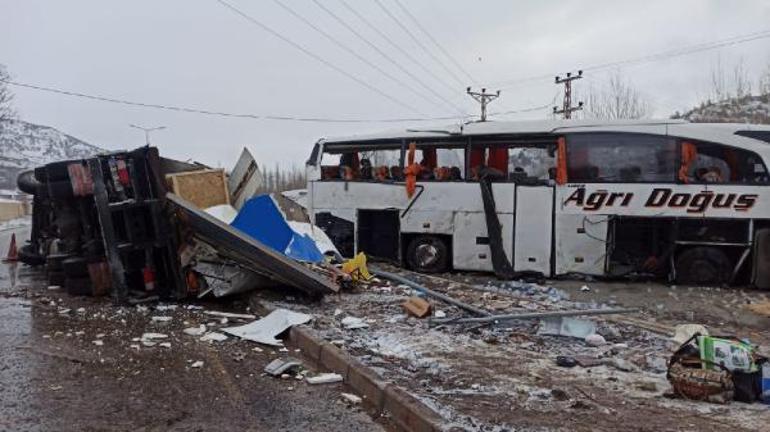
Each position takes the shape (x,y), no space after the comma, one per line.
(149,278)
(13,253)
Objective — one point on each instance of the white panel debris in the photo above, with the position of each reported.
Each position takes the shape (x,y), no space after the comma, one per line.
(266,329)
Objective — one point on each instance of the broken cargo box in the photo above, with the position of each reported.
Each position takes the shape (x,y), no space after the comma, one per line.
(247,251)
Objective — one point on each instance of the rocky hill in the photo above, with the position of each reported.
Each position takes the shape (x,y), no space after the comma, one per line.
(25,145)
(746,109)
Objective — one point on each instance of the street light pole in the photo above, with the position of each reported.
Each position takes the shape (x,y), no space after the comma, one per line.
(147,131)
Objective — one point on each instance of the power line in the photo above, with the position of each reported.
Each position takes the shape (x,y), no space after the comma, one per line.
(355,54)
(218,113)
(387,57)
(435,42)
(397,47)
(690,49)
(213,113)
(417,41)
(307,52)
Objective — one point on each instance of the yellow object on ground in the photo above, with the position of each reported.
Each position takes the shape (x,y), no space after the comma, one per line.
(356,268)
(762,308)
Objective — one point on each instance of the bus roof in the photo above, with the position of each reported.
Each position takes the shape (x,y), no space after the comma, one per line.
(724,133)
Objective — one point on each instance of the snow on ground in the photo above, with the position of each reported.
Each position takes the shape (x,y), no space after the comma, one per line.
(16,223)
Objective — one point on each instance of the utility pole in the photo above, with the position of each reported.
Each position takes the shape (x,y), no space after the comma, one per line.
(567,107)
(484,99)
(147,131)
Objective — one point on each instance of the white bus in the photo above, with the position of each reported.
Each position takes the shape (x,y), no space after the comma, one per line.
(668,198)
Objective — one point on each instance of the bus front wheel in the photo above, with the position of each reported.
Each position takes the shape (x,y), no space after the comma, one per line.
(427,254)
(703,266)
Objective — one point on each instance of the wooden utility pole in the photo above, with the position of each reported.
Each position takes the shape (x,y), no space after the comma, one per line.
(484,99)
(567,107)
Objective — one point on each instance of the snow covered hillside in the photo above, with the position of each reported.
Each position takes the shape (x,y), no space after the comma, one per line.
(25,145)
(746,109)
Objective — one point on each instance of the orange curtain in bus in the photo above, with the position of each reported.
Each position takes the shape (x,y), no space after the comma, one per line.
(411,171)
(498,159)
(476,160)
(561,161)
(689,154)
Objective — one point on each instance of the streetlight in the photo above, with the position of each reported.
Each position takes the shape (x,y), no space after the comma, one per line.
(147,131)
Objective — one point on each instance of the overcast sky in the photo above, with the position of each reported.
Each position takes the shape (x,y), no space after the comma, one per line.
(200,54)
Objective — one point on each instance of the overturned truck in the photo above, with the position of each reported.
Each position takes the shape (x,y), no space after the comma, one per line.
(108,225)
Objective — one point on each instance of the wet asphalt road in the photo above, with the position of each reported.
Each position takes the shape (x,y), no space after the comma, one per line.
(53,379)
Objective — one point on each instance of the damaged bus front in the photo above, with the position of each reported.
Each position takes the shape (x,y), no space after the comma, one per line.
(668,199)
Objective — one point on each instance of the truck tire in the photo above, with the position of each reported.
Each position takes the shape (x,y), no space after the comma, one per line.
(53,262)
(78,286)
(75,267)
(29,256)
(703,265)
(56,278)
(427,254)
(60,190)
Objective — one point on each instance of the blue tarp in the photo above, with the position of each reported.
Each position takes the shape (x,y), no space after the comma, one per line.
(261,219)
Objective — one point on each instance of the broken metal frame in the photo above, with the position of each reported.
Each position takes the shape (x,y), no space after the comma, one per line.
(534,315)
(443,297)
(248,251)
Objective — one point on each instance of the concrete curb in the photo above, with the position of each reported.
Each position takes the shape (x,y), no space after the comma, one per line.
(408,412)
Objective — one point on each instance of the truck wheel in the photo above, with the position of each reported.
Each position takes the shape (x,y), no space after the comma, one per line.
(29,256)
(703,266)
(78,286)
(427,254)
(56,278)
(75,267)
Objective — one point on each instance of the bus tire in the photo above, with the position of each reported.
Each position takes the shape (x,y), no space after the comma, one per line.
(427,254)
(703,266)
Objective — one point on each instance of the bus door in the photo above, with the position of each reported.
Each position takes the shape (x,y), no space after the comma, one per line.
(533,229)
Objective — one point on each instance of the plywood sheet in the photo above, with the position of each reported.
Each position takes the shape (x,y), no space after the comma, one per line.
(204,188)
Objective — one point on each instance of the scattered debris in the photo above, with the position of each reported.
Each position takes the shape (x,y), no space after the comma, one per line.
(266,329)
(595,340)
(566,361)
(351,398)
(195,331)
(197,364)
(566,326)
(281,366)
(352,323)
(324,378)
(213,337)
(231,315)
(684,332)
(417,306)
(535,315)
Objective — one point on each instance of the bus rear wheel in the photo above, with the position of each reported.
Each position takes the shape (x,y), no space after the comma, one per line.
(427,254)
(703,266)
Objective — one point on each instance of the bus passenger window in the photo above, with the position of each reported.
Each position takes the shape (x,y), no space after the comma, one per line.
(714,163)
(621,158)
(531,165)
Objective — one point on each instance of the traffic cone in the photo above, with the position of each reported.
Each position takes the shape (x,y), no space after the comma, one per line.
(13,253)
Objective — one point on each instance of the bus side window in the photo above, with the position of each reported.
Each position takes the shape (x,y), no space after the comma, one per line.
(715,163)
(621,158)
(531,164)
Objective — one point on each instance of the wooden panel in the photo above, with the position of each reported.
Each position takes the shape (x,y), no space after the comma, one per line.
(205,188)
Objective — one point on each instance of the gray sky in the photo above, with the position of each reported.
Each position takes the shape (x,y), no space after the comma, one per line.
(199,54)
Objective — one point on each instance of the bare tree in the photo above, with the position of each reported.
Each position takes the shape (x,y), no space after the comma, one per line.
(764,82)
(6,97)
(741,81)
(619,100)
